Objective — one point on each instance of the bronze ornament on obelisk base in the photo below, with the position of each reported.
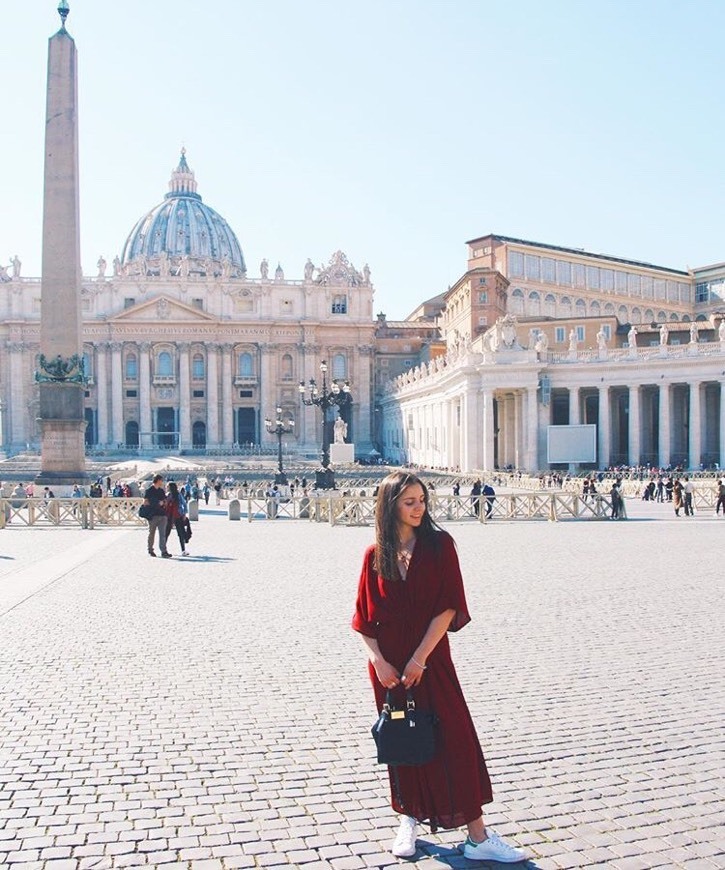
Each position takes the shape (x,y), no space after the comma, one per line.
(60,374)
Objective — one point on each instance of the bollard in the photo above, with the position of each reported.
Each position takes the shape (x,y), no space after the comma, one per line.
(193,507)
(233,511)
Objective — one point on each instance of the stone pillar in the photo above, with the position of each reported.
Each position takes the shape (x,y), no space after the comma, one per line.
(635,423)
(212,395)
(227,408)
(695,430)
(604,432)
(487,460)
(665,415)
(144,392)
(470,429)
(102,392)
(184,395)
(722,423)
(18,400)
(118,436)
(61,389)
(362,395)
(574,415)
(532,430)
(267,387)
(309,414)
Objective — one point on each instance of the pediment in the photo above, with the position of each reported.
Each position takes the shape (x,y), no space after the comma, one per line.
(159,310)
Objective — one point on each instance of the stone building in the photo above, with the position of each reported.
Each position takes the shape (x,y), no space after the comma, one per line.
(540,335)
(184,349)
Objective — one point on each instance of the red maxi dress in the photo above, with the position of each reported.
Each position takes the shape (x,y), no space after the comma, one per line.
(449,791)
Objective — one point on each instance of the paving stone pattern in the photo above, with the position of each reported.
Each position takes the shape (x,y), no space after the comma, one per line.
(214,712)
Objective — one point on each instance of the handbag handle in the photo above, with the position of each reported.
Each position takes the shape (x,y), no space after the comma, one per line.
(409,700)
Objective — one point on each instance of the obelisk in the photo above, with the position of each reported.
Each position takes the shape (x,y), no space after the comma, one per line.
(60,373)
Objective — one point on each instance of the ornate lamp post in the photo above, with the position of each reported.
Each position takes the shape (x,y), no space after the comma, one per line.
(325,399)
(279,429)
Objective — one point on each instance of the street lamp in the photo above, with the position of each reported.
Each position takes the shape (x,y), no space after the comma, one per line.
(324,399)
(279,429)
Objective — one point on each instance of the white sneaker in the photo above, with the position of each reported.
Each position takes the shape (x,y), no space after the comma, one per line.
(404,845)
(184,552)
(493,848)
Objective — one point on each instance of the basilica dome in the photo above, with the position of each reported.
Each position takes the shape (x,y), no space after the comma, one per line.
(182,236)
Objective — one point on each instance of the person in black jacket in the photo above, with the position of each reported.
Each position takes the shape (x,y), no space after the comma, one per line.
(155,498)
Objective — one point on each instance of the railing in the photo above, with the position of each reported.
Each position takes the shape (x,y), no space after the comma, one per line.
(85,513)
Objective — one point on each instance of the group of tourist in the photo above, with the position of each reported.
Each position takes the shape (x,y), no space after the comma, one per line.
(166,509)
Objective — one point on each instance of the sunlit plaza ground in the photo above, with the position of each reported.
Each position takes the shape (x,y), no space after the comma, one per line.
(214,712)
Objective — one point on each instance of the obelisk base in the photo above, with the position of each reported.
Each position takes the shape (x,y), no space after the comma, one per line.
(62,424)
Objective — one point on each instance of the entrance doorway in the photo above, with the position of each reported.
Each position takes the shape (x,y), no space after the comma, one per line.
(198,434)
(132,434)
(246,426)
(165,427)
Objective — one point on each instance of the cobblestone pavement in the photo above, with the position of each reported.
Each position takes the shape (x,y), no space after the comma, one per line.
(213,712)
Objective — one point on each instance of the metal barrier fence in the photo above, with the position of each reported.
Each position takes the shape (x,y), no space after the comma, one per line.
(85,513)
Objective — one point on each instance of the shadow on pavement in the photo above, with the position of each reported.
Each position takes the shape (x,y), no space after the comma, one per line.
(203,558)
(452,856)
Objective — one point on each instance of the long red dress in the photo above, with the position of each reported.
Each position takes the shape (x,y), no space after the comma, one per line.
(450,790)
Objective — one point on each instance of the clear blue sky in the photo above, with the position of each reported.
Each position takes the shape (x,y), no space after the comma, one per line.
(395,130)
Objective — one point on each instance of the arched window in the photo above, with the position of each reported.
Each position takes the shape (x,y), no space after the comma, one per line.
(636,315)
(197,367)
(609,310)
(165,367)
(595,309)
(673,316)
(661,317)
(517,301)
(623,314)
(565,306)
(534,303)
(580,307)
(286,367)
(246,367)
(685,318)
(550,305)
(649,315)
(131,367)
(339,367)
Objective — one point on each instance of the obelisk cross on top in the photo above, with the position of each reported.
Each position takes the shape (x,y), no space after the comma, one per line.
(60,373)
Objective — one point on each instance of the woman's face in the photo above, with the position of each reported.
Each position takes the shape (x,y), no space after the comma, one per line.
(411,506)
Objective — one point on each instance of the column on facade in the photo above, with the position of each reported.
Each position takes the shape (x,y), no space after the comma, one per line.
(227,407)
(470,438)
(695,430)
(102,391)
(604,432)
(18,402)
(532,430)
(309,414)
(574,413)
(212,395)
(267,387)
(722,424)
(665,415)
(635,425)
(144,392)
(510,430)
(184,394)
(487,429)
(363,399)
(118,436)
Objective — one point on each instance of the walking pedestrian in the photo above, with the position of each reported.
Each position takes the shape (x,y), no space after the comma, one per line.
(677,496)
(155,498)
(720,497)
(176,511)
(410,596)
(688,492)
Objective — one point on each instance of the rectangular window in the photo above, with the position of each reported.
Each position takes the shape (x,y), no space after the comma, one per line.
(607,330)
(483,320)
(197,394)
(548,270)
(483,297)
(559,334)
(516,265)
(563,272)
(580,333)
(580,275)
(533,267)
(129,302)
(660,289)
(702,292)
(131,394)
(621,282)
(245,394)
(593,277)
(606,277)
(634,285)
(339,305)
(685,292)
(407,363)
(483,281)
(672,292)
(198,303)
(648,287)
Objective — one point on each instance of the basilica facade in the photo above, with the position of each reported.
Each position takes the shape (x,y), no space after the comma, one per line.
(184,349)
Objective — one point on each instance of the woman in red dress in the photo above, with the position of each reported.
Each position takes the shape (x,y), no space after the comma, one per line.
(409,597)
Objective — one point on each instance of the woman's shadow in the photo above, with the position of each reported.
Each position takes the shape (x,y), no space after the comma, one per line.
(452,856)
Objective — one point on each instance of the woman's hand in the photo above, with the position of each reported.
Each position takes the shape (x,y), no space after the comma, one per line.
(386,674)
(413,674)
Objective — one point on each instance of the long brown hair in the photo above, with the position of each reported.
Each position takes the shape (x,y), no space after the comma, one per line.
(386,522)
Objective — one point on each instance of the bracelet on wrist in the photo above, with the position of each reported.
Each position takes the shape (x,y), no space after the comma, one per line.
(422,667)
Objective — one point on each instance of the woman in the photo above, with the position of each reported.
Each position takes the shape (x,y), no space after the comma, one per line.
(175,515)
(410,595)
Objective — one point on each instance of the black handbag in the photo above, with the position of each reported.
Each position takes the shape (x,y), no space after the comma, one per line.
(145,512)
(404,735)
